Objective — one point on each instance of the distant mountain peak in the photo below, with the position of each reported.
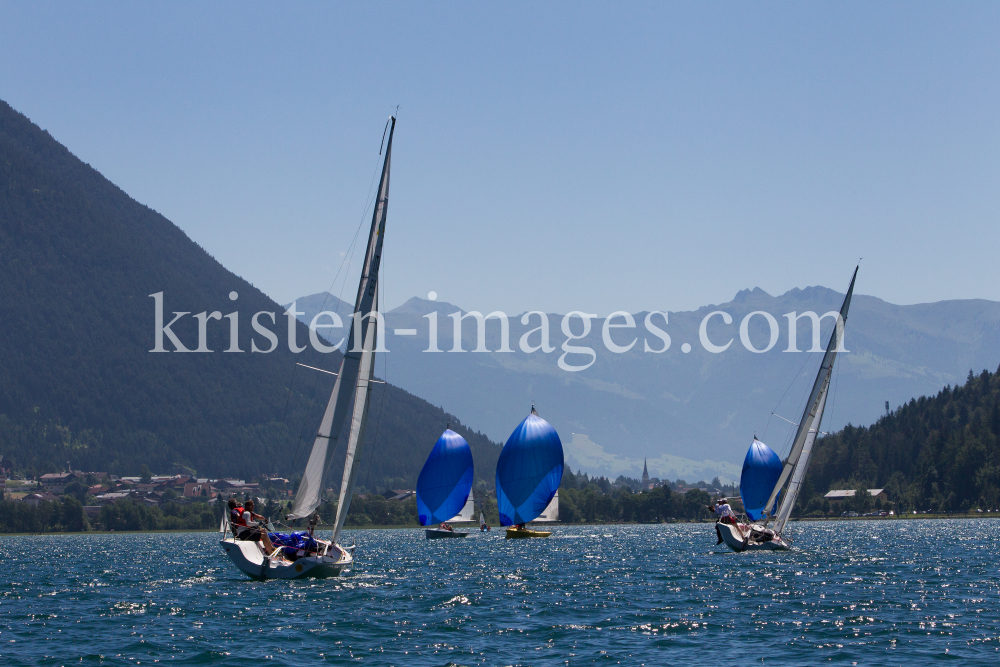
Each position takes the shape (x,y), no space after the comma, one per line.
(418,306)
(749,295)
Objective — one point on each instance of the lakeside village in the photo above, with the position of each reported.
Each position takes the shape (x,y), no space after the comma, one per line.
(75,501)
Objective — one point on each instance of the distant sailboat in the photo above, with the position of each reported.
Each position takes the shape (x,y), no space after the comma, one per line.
(756,533)
(351,393)
(444,488)
(529,472)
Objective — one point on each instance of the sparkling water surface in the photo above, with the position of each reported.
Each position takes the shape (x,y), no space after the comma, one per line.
(864,592)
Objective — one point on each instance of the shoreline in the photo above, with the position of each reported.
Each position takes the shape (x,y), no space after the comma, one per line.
(811,519)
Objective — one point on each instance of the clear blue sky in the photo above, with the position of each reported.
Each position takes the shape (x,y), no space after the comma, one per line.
(548,156)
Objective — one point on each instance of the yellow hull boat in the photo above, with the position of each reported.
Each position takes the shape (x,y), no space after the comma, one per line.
(522,533)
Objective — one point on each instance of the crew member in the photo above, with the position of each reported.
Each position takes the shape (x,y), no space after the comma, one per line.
(723,512)
(252,527)
(235,513)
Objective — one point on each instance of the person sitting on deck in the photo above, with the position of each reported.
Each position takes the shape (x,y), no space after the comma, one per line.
(235,513)
(446,526)
(250,528)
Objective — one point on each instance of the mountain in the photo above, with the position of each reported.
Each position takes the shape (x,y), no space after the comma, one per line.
(692,414)
(82,266)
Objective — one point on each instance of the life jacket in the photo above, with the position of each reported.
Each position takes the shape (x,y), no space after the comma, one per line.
(236,516)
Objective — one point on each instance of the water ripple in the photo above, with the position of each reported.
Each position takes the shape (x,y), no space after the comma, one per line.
(864,592)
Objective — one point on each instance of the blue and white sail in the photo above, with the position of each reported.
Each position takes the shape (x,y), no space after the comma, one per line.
(761,470)
(445,482)
(529,471)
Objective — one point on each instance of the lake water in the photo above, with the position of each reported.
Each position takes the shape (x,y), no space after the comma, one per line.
(865,592)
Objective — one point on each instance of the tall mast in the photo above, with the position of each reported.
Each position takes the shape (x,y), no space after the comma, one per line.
(809,424)
(348,385)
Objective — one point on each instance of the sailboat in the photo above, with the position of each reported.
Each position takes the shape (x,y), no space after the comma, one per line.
(444,487)
(529,472)
(351,394)
(758,532)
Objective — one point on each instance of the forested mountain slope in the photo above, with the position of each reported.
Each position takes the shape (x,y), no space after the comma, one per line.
(938,453)
(78,382)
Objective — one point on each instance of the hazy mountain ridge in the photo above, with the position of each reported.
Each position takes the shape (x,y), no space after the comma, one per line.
(697,406)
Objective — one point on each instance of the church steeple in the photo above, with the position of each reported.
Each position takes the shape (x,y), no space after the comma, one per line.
(645,475)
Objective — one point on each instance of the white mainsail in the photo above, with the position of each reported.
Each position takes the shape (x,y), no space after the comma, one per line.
(468,510)
(358,423)
(357,364)
(798,458)
(551,511)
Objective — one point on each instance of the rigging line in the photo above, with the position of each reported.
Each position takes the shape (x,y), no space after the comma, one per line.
(788,438)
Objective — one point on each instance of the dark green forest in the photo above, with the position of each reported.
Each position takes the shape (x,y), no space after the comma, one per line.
(938,453)
(78,382)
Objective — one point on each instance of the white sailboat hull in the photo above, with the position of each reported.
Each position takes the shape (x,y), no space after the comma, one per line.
(249,557)
(739,538)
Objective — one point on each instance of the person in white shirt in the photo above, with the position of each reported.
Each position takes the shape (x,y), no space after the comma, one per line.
(254,528)
(724,512)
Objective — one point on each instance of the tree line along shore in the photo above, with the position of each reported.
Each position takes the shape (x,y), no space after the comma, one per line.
(934,456)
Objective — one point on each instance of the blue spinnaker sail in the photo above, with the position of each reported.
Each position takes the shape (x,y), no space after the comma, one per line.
(445,480)
(529,470)
(761,469)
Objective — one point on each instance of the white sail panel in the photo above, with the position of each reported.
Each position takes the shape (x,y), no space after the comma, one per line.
(551,512)
(468,510)
(310,492)
(359,421)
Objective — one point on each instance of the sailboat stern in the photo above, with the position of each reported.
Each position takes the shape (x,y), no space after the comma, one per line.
(249,557)
(749,537)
